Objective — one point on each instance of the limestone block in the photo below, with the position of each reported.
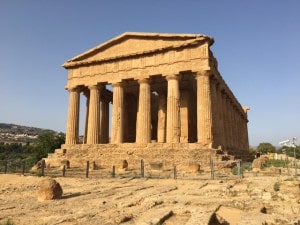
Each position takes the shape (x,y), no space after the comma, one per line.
(124,164)
(49,190)
(228,215)
(65,163)
(259,162)
(156,165)
(194,167)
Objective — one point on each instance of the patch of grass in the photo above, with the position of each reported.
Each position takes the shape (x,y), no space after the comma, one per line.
(7,222)
(233,193)
(289,179)
(246,166)
(275,163)
(39,173)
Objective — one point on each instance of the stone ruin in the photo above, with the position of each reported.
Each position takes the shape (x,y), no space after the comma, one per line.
(168,101)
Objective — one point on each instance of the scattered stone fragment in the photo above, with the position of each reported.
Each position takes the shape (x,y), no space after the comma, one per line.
(65,163)
(194,167)
(228,215)
(263,210)
(124,164)
(49,190)
(259,162)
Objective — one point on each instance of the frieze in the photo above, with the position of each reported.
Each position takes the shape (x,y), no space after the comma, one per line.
(132,64)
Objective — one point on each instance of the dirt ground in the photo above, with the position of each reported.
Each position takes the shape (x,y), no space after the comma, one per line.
(254,200)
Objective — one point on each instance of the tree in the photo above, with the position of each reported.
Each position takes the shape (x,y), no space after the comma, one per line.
(266,148)
(47,143)
(290,151)
(252,151)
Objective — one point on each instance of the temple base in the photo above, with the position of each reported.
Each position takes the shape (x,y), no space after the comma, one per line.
(155,155)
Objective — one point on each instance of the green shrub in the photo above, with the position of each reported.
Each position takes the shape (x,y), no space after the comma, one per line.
(276,186)
(7,222)
(245,166)
(275,163)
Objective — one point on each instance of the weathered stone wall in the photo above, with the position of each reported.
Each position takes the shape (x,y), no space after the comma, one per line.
(183,155)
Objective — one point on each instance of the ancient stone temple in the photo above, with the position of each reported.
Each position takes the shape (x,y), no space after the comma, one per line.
(152,96)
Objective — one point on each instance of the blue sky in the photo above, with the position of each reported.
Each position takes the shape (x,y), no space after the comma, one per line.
(257,45)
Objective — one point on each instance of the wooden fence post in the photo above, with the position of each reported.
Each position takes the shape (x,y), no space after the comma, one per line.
(64,171)
(142,168)
(113,171)
(87,169)
(287,164)
(175,173)
(239,166)
(212,172)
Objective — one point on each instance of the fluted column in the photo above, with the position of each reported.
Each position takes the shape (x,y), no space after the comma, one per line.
(204,109)
(104,121)
(117,114)
(235,129)
(184,116)
(240,132)
(72,132)
(161,126)
(214,114)
(93,133)
(143,131)
(87,103)
(173,110)
(220,117)
(230,124)
(224,121)
(245,129)
(246,140)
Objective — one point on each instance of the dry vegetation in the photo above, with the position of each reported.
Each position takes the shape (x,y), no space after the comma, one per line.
(254,200)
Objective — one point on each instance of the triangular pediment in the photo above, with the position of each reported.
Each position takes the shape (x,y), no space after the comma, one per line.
(130,44)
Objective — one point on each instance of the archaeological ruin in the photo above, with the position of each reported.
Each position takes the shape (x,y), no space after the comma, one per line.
(152,96)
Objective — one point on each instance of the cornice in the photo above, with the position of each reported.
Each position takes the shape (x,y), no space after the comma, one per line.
(194,42)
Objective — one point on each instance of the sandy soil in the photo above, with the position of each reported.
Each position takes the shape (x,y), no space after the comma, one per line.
(152,201)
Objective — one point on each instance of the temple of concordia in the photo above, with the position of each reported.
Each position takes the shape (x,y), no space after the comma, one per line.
(169,104)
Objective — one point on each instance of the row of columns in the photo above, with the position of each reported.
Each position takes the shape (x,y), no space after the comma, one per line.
(97,124)
(229,126)
(218,122)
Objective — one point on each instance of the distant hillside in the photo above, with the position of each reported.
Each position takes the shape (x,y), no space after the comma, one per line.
(19,133)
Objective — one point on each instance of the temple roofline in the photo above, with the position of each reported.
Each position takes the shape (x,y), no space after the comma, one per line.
(189,37)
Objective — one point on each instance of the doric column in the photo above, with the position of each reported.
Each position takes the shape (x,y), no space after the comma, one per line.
(104,121)
(245,128)
(184,116)
(143,131)
(240,132)
(235,127)
(230,124)
(72,132)
(224,120)
(93,133)
(87,103)
(117,114)
(161,124)
(204,109)
(173,108)
(246,140)
(214,114)
(220,117)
